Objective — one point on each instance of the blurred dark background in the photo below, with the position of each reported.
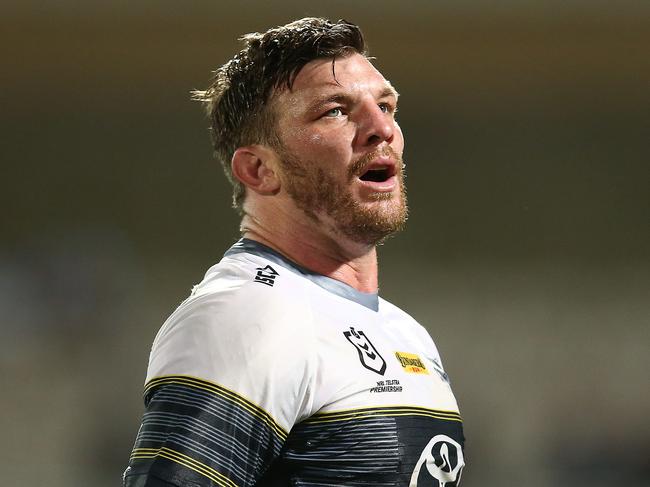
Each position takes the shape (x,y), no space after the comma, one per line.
(526,254)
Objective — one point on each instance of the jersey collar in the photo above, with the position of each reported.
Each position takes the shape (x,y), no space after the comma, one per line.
(369,300)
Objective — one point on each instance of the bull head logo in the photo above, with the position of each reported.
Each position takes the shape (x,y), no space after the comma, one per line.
(443,458)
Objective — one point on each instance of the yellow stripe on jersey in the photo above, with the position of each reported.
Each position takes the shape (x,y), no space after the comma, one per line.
(219,390)
(189,462)
(354,414)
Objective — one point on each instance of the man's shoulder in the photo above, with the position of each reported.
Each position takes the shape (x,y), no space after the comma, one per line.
(231,318)
(247,279)
(238,293)
(394,312)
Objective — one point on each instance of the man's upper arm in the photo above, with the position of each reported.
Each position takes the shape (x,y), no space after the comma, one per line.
(221,395)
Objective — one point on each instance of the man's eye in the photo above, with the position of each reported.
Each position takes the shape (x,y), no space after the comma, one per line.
(385,107)
(334,112)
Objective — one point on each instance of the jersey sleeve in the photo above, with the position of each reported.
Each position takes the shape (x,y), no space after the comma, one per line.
(229,374)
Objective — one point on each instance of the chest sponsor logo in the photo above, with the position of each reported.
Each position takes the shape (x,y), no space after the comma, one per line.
(411,363)
(441,461)
(368,354)
(266,275)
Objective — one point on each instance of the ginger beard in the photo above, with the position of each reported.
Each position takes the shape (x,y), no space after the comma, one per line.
(317,192)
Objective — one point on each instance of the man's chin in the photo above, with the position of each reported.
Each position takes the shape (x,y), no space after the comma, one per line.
(367,218)
(372,226)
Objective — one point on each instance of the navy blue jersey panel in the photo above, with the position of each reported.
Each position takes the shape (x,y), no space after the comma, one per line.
(196,433)
(384,447)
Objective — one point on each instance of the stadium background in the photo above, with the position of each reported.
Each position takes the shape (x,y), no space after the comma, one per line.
(526,254)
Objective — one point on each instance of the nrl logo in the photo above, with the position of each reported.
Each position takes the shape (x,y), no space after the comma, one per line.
(368,354)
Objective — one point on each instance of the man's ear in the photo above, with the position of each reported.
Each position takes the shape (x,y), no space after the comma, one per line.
(255,166)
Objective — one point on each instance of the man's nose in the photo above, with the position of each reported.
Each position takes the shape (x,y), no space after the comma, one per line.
(374,125)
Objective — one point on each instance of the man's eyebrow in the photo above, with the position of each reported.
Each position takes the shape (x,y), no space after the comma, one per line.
(343,98)
(389,90)
(334,98)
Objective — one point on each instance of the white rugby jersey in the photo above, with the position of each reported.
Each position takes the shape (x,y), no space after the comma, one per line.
(272,375)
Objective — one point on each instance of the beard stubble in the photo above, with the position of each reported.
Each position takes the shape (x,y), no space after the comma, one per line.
(317,193)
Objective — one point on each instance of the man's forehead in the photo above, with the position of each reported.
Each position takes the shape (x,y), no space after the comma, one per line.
(323,76)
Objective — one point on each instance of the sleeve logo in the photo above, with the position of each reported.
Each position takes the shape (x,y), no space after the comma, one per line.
(444,462)
(368,354)
(266,275)
(411,363)
(437,366)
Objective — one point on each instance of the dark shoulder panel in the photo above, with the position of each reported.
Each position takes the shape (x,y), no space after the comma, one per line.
(196,433)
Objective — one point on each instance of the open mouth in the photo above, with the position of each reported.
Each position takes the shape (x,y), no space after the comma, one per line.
(377,174)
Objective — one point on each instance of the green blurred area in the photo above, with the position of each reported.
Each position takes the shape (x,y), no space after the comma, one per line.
(526,253)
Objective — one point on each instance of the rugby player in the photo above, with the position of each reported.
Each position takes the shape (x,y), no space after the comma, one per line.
(284,366)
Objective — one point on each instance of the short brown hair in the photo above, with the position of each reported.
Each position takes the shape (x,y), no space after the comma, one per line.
(237,101)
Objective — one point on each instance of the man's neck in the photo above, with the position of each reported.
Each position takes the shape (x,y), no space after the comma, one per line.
(308,246)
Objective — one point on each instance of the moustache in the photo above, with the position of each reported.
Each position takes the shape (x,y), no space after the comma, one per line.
(359,167)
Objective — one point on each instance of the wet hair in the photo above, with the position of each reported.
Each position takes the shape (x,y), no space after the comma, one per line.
(238,101)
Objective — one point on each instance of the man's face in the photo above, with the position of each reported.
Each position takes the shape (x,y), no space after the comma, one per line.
(341,148)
